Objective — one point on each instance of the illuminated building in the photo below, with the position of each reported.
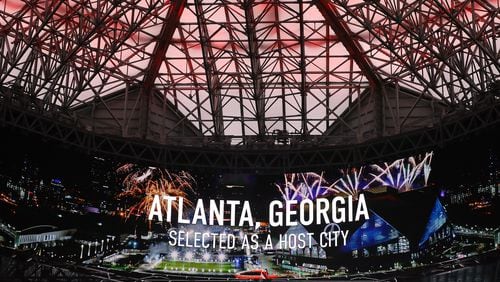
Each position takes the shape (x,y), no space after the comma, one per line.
(56,190)
(42,234)
(493,173)
(402,227)
(102,178)
(496,233)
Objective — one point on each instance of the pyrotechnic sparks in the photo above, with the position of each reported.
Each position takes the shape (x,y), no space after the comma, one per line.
(401,174)
(141,184)
(384,175)
(427,166)
(351,183)
(298,186)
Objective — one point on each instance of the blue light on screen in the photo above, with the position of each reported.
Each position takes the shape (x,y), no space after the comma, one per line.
(373,232)
(436,220)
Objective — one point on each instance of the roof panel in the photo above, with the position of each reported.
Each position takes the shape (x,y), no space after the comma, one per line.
(252,65)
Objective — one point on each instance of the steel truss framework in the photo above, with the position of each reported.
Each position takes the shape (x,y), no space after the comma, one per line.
(267,81)
(268,160)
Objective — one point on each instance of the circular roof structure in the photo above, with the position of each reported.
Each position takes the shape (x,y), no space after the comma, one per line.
(283,84)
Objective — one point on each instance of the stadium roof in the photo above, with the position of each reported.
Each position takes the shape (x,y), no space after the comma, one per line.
(249,74)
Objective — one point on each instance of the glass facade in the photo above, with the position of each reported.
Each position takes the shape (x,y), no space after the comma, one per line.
(373,232)
(437,219)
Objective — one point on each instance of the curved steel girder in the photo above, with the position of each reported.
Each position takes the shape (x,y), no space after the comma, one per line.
(258,83)
(50,13)
(345,35)
(163,42)
(269,159)
(213,81)
(386,43)
(151,73)
(342,31)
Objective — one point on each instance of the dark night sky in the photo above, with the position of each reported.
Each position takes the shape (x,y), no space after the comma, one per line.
(465,161)
(52,158)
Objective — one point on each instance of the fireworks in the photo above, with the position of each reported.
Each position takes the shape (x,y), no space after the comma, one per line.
(300,186)
(427,166)
(351,183)
(402,174)
(141,184)
(384,174)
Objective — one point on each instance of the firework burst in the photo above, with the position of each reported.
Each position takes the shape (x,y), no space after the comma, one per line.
(142,184)
(426,163)
(299,186)
(384,174)
(402,174)
(351,183)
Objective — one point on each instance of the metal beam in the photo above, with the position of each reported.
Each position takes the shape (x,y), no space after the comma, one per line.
(213,83)
(467,29)
(34,37)
(239,68)
(163,41)
(345,35)
(258,83)
(14,114)
(303,76)
(101,67)
(58,72)
(445,59)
